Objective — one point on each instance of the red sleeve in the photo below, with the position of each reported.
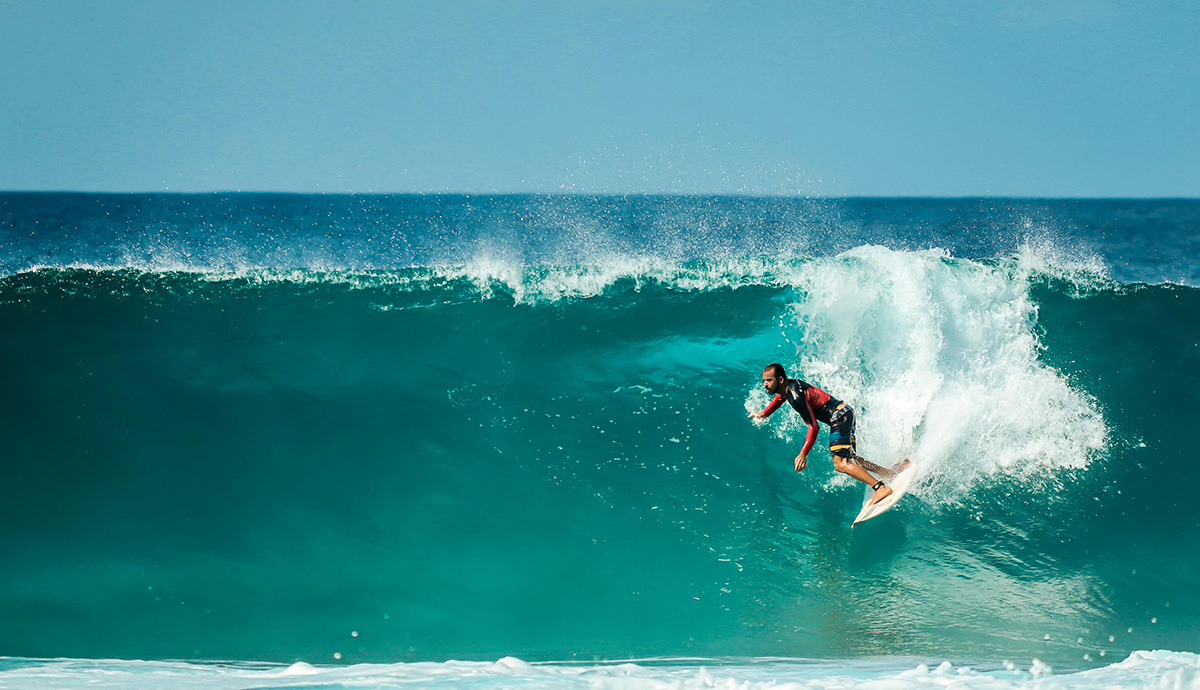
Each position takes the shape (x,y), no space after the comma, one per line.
(772,406)
(811,438)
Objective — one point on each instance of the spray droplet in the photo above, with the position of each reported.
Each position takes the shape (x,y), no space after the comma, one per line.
(337,655)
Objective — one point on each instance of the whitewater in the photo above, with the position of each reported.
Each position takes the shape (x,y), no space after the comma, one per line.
(381,441)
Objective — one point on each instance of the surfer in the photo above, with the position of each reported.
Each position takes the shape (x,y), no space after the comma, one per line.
(815,405)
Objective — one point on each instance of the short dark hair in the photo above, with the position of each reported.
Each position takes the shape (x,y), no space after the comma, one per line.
(777,368)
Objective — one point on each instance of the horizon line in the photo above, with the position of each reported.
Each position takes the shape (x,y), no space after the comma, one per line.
(745,195)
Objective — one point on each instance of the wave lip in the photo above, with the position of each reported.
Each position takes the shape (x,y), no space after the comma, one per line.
(486,276)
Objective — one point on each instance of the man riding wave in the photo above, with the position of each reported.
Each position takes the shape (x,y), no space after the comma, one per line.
(814,406)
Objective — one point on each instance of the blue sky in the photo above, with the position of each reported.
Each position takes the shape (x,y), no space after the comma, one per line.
(1045,98)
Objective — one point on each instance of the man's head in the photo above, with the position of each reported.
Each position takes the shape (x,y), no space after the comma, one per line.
(774,379)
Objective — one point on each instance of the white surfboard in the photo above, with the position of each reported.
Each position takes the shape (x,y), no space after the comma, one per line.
(899,484)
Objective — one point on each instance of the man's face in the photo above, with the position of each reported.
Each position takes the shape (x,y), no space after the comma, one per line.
(773,383)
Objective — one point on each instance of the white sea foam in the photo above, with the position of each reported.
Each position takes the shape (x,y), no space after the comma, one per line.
(494,274)
(1041,255)
(940,357)
(1142,669)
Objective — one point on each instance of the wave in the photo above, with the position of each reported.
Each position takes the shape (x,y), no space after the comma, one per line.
(944,358)
(491,458)
(932,349)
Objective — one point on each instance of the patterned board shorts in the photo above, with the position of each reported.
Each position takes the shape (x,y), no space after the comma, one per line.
(841,432)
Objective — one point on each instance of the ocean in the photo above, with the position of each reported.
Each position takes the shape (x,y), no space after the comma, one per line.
(327,441)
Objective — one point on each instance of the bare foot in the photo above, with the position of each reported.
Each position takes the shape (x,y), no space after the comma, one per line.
(880,494)
(902,465)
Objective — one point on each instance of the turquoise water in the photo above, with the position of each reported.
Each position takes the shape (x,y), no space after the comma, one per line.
(404,430)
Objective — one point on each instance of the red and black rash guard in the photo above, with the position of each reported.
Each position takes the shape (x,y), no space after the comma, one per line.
(812,403)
